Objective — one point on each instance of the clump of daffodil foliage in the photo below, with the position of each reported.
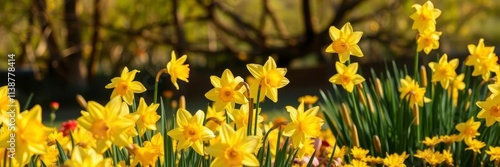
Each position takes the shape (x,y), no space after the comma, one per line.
(391,119)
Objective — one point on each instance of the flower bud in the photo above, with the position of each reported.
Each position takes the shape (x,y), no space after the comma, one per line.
(54,106)
(416,114)
(376,144)
(182,102)
(354,136)
(423,76)
(81,101)
(378,87)
(346,115)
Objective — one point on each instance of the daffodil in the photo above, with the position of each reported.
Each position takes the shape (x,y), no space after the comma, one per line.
(435,159)
(125,86)
(448,139)
(87,157)
(494,153)
(225,92)
(147,116)
(345,42)
(4,99)
(357,163)
(425,17)
(82,138)
(177,69)
(475,145)
(427,41)
(306,150)
(484,67)
(346,76)
(456,85)
(395,160)
(50,157)
(359,153)
(494,88)
(448,157)
(373,161)
(444,71)
(240,117)
(214,119)
(468,130)
(478,53)
(190,131)
(410,89)
(156,144)
(304,125)
(490,110)
(107,123)
(270,79)
(30,135)
(424,155)
(308,99)
(234,149)
(146,155)
(431,142)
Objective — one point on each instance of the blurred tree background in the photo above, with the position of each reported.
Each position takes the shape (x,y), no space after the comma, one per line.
(73,42)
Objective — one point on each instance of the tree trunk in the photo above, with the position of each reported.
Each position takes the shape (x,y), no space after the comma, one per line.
(73,64)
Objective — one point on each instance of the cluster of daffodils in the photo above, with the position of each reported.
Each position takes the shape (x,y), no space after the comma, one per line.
(393,120)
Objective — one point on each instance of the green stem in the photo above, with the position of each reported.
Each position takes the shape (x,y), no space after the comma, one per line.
(415,68)
(115,155)
(256,112)
(155,92)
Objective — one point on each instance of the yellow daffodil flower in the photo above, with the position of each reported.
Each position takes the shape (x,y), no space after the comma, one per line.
(82,138)
(424,155)
(395,160)
(494,153)
(190,130)
(410,89)
(478,53)
(448,139)
(30,135)
(235,148)
(373,161)
(448,157)
(475,145)
(431,142)
(214,119)
(357,163)
(224,93)
(304,125)
(147,116)
(468,130)
(494,89)
(156,144)
(177,69)
(308,99)
(444,71)
(346,76)
(427,41)
(486,66)
(107,123)
(425,17)
(359,153)
(456,85)
(240,118)
(306,150)
(345,42)
(490,110)
(87,157)
(146,155)
(125,86)
(270,79)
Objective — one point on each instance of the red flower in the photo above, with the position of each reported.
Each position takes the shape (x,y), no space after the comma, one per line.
(68,126)
(54,106)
